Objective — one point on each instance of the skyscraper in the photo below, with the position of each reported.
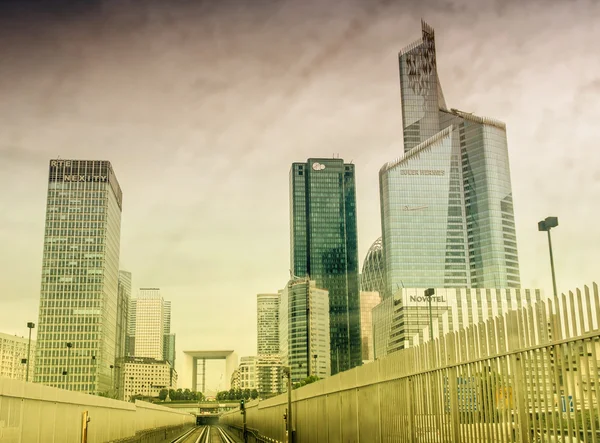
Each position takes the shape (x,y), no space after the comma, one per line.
(268,365)
(446,204)
(372,278)
(124,291)
(149,324)
(304,329)
(79,291)
(324,247)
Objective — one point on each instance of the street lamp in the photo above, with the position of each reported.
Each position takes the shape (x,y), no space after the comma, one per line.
(30,325)
(287,370)
(545,225)
(429,293)
(66,373)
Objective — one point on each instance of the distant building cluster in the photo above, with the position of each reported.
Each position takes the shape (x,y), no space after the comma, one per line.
(447,258)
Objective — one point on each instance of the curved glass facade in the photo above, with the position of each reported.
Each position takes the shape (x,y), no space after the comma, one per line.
(446,204)
(372,278)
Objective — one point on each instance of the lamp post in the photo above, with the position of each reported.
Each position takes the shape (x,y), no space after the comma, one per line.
(429,293)
(287,370)
(30,325)
(545,225)
(66,373)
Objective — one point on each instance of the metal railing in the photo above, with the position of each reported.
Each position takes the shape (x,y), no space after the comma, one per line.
(531,375)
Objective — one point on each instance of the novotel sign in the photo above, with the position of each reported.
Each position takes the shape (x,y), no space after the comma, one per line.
(423,299)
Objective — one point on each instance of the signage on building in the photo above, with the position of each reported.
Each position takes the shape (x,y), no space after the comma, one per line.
(84,178)
(318,166)
(438,172)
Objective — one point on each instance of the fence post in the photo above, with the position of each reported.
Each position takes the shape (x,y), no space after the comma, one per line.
(519,383)
(452,385)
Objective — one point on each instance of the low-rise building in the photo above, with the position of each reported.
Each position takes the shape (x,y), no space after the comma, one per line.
(13,357)
(146,377)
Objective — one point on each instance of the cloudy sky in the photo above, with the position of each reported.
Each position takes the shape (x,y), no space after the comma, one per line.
(202,106)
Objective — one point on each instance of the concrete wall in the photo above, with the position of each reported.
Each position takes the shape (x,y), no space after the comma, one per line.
(33,413)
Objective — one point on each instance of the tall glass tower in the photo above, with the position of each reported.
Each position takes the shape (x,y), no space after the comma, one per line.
(324,248)
(80,270)
(446,204)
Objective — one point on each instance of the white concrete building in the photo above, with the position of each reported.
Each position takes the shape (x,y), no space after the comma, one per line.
(149,324)
(244,377)
(146,377)
(13,350)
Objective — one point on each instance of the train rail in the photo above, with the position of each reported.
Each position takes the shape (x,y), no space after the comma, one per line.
(206,434)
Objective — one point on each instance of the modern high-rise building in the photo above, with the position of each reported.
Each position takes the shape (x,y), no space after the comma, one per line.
(368,301)
(324,247)
(267,310)
(124,291)
(372,278)
(77,327)
(149,324)
(130,338)
(168,337)
(446,204)
(268,365)
(146,377)
(13,354)
(304,329)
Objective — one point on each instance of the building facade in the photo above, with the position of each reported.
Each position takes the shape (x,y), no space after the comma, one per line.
(368,301)
(244,377)
(124,300)
(446,204)
(304,329)
(269,375)
(324,247)
(77,326)
(372,278)
(13,357)
(149,324)
(146,377)
(403,320)
(267,317)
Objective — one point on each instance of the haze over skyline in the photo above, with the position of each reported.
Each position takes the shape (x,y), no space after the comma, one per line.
(202,108)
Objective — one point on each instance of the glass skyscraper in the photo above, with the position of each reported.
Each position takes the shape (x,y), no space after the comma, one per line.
(446,203)
(324,247)
(77,332)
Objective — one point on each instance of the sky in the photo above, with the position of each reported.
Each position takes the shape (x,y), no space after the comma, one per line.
(202,107)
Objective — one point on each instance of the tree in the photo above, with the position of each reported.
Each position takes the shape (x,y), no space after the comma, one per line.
(187,395)
(162,395)
(306,381)
(254,394)
(246,394)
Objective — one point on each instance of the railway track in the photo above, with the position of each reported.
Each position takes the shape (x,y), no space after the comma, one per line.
(206,434)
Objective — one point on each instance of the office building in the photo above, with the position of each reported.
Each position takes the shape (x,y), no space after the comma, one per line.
(130,338)
(146,377)
(269,375)
(77,327)
(372,278)
(304,329)
(13,357)
(149,326)
(268,365)
(267,308)
(368,301)
(123,302)
(403,320)
(446,204)
(324,248)
(244,377)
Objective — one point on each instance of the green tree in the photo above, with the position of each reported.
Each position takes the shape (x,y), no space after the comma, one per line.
(162,395)
(187,395)
(246,394)
(254,394)
(306,381)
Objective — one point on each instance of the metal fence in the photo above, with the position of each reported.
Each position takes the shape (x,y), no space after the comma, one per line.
(528,376)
